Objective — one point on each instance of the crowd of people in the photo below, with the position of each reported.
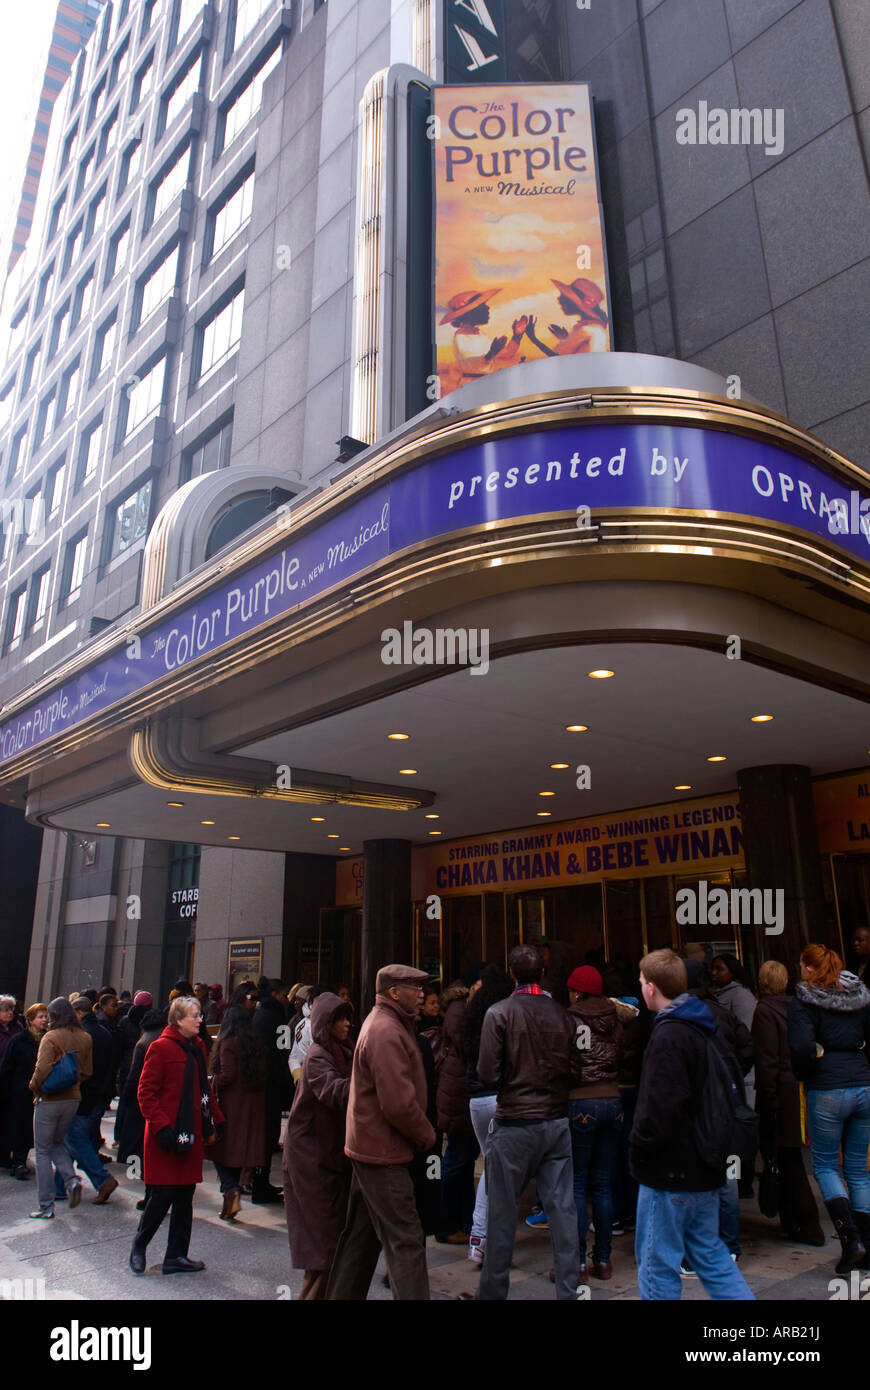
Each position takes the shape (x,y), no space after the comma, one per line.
(652,1101)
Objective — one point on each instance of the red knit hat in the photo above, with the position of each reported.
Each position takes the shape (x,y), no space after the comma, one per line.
(585,980)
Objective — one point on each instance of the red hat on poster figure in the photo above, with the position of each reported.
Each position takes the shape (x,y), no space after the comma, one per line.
(586,296)
(464,302)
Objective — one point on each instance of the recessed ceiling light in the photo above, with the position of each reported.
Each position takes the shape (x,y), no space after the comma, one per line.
(234,837)
(717,758)
(103,825)
(600,675)
(761,718)
(175,803)
(206,822)
(545,813)
(576,728)
(434,832)
(432,815)
(683,787)
(398,736)
(334,836)
(546,793)
(344,848)
(320,818)
(407,772)
(558,766)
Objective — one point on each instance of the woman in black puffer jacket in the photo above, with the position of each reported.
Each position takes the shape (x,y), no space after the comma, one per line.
(595,1113)
(828,1034)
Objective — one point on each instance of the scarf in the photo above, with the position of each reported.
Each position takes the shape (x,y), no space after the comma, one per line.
(340,1056)
(194,1091)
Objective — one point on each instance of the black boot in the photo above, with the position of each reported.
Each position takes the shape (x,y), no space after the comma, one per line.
(862,1221)
(262,1191)
(854,1254)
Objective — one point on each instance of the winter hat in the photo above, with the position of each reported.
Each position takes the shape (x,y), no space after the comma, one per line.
(142,999)
(584,980)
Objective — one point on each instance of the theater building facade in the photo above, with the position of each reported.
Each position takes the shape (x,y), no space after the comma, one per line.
(572,642)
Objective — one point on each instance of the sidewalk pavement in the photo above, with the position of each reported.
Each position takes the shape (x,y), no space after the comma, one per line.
(83,1254)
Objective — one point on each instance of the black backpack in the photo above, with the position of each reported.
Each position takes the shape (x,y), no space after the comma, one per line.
(725,1127)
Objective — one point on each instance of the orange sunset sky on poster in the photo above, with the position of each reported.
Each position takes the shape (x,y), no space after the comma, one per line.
(516,203)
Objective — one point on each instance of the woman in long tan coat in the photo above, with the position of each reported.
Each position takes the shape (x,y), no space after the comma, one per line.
(316,1172)
(238,1065)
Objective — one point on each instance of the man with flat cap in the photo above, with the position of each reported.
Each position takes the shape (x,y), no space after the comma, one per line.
(386,1123)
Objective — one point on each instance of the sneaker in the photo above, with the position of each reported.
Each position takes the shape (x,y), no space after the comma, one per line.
(537,1221)
(686,1271)
(734,1257)
(476,1247)
(44,1214)
(617,1229)
(75,1195)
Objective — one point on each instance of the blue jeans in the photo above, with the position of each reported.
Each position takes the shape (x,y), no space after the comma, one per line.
(596,1125)
(729,1215)
(482,1113)
(81,1148)
(457,1182)
(841,1119)
(670,1224)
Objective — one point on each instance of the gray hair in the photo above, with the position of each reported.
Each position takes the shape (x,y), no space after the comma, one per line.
(7,1001)
(181,1007)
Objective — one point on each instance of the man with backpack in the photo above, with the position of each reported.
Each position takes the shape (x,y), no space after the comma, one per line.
(689,1107)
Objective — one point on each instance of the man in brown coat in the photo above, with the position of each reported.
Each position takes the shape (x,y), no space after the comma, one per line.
(386,1123)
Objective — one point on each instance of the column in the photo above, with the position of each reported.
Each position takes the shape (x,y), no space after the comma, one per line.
(386,916)
(782,851)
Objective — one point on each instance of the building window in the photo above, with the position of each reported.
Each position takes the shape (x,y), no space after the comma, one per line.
(207,455)
(148,14)
(56,215)
(31,365)
(181,93)
(246,103)
(7,396)
(142,400)
(144,80)
(16,449)
(229,215)
(69,389)
(89,450)
(86,169)
(40,587)
(120,61)
(44,286)
(168,185)
(128,521)
(98,96)
(186,11)
(45,417)
(59,329)
(119,250)
(34,518)
(96,214)
(68,147)
(104,33)
(131,161)
(83,298)
(248,13)
(15,615)
(54,487)
(218,336)
(104,345)
(80,72)
(109,135)
(73,246)
(158,286)
(73,567)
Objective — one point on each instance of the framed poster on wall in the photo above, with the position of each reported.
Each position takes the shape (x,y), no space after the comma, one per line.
(244,962)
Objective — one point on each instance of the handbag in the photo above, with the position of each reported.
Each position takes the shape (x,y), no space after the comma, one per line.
(63,1075)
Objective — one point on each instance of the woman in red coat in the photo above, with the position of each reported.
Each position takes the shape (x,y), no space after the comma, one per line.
(173,1096)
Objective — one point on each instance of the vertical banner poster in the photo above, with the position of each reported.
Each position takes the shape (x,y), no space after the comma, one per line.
(520,267)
